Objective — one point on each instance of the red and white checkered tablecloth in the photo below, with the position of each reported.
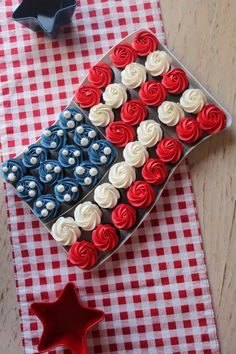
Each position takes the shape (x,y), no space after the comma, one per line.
(154,290)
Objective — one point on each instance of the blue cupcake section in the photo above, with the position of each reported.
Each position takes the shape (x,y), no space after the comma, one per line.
(85,135)
(50,172)
(67,190)
(86,174)
(29,188)
(70,119)
(102,153)
(54,138)
(70,156)
(33,155)
(46,207)
(13,170)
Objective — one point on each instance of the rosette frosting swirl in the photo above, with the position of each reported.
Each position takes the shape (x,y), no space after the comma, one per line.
(170,113)
(100,75)
(140,194)
(67,190)
(175,81)
(133,75)
(13,170)
(105,237)
(106,196)
(65,231)
(211,119)
(83,254)
(87,216)
(154,171)
(29,188)
(85,135)
(169,150)
(70,118)
(135,154)
(121,175)
(149,132)
(188,130)
(87,96)
(193,100)
(133,112)
(50,172)
(102,153)
(101,115)
(115,95)
(70,156)
(124,216)
(33,155)
(145,42)
(122,55)
(46,207)
(54,138)
(120,133)
(152,93)
(157,63)
(86,174)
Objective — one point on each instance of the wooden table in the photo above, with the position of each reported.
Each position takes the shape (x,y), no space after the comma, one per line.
(203,35)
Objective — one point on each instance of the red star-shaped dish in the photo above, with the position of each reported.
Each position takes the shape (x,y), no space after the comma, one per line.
(66,321)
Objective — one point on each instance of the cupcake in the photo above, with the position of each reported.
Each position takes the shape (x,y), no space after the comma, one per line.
(65,231)
(33,155)
(134,75)
(157,63)
(87,216)
(105,237)
(121,175)
(188,130)
(145,42)
(87,96)
(50,172)
(133,112)
(54,138)
(83,254)
(211,119)
(193,100)
(70,156)
(115,95)
(149,133)
(46,207)
(120,133)
(152,93)
(169,150)
(67,190)
(101,115)
(122,55)
(86,174)
(102,153)
(140,194)
(13,170)
(29,188)
(124,216)
(154,171)
(85,135)
(135,154)
(100,75)
(175,81)
(106,196)
(70,119)
(170,113)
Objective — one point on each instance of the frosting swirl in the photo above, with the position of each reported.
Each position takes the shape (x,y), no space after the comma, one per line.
(170,113)
(85,135)
(87,216)
(169,150)
(133,112)
(105,237)
(145,42)
(115,95)
(154,171)
(83,254)
(33,155)
(188,130)
(175,81)
(65,231)
(140,194)
(106,196)
(157,63)
(152,93)
(135,154)
(211,119)
(70,118)
(122,55)
(124,216)
(54,138)
(120,133)
(100,75)
(29,188)
(46,207)
(67,190)
(70,156)
(101,115)
(86,174)
(193,100)
(121,175)
(13,170)
(50,171)
(149,133)
(87,96)
(133,75)
(102,153)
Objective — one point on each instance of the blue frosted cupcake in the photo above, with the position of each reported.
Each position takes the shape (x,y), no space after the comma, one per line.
(54,138)
(67,190)
(102,153)
(13,170)
(70,119)
(29,188)
(46,207)
(86,174)
(85,135)
(33,155)
(50,172)
(70,156)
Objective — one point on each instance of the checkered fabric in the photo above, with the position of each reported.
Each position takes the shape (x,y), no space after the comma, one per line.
(154,290)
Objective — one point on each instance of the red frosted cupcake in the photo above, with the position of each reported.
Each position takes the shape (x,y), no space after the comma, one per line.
(145,42)
(211,119)
(83,254)
(100,75)
(133,112)
(124,216)
(120,133)
(154,171)
(169,150)
(105,237)
(87,96)
(188,130)
(152,93)
(175,81)
(122,55)
(140,194)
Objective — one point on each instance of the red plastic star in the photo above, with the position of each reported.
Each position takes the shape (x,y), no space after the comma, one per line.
(66,321)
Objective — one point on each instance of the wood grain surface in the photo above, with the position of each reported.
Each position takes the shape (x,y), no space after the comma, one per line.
(202,34)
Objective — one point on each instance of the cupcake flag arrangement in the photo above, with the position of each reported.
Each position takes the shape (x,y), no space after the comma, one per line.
(95,174)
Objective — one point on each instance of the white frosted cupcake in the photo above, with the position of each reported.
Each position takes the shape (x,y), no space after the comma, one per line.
(101,115)
(122,175)
(157,63)
(115,95)
(65,231)
(149,132)
(87,216)
(106,196)
(134,75)
(170,113)
(193,100)
(135,154)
